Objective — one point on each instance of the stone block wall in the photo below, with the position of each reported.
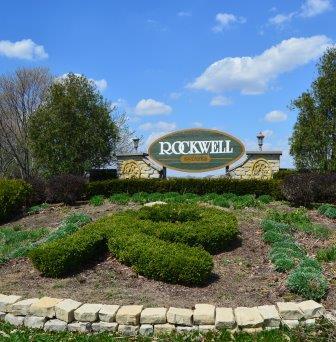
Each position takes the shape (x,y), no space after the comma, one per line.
(54,314)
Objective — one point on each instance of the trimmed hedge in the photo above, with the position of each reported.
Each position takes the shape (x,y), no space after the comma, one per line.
(14,194)
(162,250)
(182,185)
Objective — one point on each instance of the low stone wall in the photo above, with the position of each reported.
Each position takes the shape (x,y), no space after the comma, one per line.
(54,314)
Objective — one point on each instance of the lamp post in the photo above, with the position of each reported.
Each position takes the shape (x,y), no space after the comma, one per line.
(260,138)
(136,144)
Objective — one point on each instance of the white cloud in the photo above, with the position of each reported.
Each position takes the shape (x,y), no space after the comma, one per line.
(281,19)
(100,84)
(158,126)
(197,124)
(312,8)
(22,49)
(220,101)
(251,75)
(184,14)
(224,20)
(276,116)
(152,107)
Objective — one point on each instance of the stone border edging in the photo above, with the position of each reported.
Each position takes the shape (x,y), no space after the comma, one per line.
(54,314)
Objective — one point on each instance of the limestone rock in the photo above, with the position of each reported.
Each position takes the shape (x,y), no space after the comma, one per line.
(34,322)
(14,320)
(146,330)
(87,312)
(164,328)
(248,317)
(108,313)
(289,310)
(22,307)
(79,327)
(153,316)
(270,315)
(290,323)
(204,314)
(151,204)
(7,301)
(311,309)
(185,329)
(104,326)
(55,325)
(65,310)
(129,314)
(128,330)
(180,316)
(2,316)
(44,307)
(205,328)
(225,318)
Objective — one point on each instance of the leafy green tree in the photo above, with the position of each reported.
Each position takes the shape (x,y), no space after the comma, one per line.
(313,142)
(72,131)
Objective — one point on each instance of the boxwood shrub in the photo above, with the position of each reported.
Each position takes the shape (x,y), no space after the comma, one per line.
(183,185)
(14,194)
(167,250)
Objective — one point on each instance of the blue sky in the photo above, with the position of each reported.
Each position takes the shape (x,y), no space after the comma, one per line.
(225,64)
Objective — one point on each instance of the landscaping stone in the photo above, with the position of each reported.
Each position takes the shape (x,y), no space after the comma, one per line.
(205,328)
(290,323)
(330,317)
(128,330)
(65,310)
(14,320)
(2,316)
(252,330)
(248,317)
(311,309)
(104,326)
(309,321)
(270,315)
(146,330)
(184,329)
(151,204)
(180,316)
(153,316)
(289,310)
(87,312)
(79,327)
(225,318)
(6,301)
(44,307)
(164,328)
(21,308)
(55,325)
(204,314)
(129,314)
(108,313)
(34,322)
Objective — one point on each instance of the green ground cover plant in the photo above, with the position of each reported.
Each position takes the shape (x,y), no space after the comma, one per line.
(35,209)
(97,200)
(327,254)
(174,247)
(14,194)
(305,274)
(327,210)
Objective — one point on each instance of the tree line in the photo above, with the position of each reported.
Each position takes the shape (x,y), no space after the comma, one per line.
(51,126)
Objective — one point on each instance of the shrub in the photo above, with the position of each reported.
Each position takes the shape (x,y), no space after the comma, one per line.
(182,185)
(272,236)
(283,173)
(293,217)
(14,194)
(39,190)
(306,188)
(120,198)
(97,200)
(267,225)
(309,283)
(283,263)
(65,188)
(326,254)
(331,212)
(265,199)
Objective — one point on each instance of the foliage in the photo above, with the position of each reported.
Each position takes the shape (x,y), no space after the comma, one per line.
(306,188)
(39,187)
(283,173)
(21,94)
(103,174)
(35,209)
(14,194)
(184,185)
(158,249)
(328,210)
(119,198)
(16,242)
(326,254)
(65,188)
(72,132)
(313,142)
(96,200)
(265,199)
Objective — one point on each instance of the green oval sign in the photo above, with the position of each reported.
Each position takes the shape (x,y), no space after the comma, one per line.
(196,150)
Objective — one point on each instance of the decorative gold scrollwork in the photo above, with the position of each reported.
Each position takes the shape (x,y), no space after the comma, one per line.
(261,169)
(130,169)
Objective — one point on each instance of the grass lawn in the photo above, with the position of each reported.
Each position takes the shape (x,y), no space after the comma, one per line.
(323,331)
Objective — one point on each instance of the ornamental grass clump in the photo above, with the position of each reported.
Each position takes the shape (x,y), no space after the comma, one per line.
(97,200)
(120,199)
(326,254)
(327,210)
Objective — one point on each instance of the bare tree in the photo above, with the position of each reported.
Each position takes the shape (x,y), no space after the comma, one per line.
(21,93)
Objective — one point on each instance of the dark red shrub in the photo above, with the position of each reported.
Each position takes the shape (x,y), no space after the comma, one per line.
(39,190)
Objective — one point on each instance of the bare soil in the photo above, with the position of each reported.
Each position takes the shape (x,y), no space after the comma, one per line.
(242,276)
